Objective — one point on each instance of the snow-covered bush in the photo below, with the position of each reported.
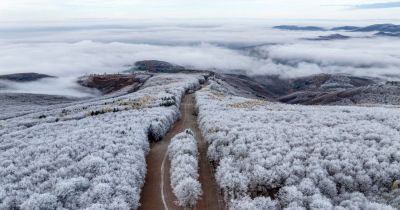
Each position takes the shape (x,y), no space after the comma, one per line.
(40,202)
(81,161)
(183,155)
(306,157)
(157,127)
(259,203)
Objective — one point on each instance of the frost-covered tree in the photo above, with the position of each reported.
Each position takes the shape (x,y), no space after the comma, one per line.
(73,159)
(188,191)
(260,203)
(296,153)
(40,202)
(183,155)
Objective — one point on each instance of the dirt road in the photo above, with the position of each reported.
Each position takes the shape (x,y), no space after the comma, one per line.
(157,192)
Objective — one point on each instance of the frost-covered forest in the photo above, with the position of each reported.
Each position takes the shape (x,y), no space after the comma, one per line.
(276,156)
(91,154)
(183,154)
(87,155)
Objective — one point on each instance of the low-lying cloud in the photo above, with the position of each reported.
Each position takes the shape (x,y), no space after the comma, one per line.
(257,49)
(51,86)
(86,57)
(377,57)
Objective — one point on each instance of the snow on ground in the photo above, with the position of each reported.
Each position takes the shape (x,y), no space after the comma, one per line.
(90,155)
(183,154)
(276,156)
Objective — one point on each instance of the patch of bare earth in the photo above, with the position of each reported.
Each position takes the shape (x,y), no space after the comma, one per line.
(109,83)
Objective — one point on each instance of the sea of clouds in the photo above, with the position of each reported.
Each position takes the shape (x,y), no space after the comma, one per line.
(73,50)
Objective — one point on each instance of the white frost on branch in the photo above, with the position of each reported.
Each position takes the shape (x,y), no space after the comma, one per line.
(88,154)
(306,157)
(183,155)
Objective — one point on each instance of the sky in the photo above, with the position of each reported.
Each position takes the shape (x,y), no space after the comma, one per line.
(62,10)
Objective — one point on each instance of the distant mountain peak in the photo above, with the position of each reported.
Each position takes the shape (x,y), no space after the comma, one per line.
(345,28)
(299,28)
(384,27)
(157,66)
(388,34)
(387,27)
(330,37)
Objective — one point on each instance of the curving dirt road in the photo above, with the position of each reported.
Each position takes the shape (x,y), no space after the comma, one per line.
(157,192)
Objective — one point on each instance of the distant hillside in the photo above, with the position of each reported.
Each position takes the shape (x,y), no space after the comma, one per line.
(299,28)
(345,28)
(320,89)
(380,27)
(389,28)
(109,83)
(329,37)
(388,34)
(157,66)
(24,77)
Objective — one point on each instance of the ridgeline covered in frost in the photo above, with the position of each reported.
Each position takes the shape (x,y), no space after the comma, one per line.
(276,156)
(183,154)
(88,155)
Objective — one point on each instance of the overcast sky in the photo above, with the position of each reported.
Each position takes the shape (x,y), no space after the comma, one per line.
(64,10)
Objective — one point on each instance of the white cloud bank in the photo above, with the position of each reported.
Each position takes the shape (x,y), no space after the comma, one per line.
(65,86)
(74,51)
